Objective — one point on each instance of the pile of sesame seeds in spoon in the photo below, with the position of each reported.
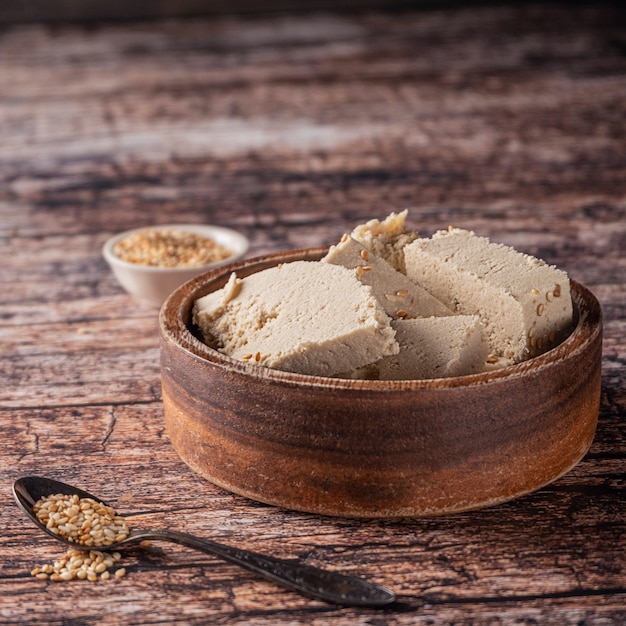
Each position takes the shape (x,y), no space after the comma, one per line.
(81,520)
(86,522)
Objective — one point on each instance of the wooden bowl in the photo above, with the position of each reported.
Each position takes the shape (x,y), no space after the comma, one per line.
(363,448)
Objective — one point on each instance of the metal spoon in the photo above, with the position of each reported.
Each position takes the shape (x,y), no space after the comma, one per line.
(313,582)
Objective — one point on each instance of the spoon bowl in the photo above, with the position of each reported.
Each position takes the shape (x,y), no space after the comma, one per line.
(29,489)
(325,585)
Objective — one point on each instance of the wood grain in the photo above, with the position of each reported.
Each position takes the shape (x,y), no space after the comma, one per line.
(292,128)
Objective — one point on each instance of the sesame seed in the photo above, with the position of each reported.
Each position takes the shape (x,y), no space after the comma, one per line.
(364,255)
(402,293)
(344,237)
(535,292)
(402,313)
(557,291)
(540,309)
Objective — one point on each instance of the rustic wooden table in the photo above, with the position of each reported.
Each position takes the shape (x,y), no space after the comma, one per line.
(292,129)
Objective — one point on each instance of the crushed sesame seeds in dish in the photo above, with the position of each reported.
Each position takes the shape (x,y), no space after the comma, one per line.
(170,248)
(150,262)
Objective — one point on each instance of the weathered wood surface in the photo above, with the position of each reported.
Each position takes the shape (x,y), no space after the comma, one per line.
(510,121)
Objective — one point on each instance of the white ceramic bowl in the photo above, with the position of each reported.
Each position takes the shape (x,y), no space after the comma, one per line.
(156,283)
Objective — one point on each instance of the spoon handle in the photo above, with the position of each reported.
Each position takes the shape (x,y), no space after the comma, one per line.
(313,582)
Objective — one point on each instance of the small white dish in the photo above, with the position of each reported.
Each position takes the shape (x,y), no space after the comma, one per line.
(154,283)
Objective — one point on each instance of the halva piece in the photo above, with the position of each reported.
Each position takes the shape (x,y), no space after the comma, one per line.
(436,347)
(524,303)
(431,347)
(305,317)
(386,238)
(399,296)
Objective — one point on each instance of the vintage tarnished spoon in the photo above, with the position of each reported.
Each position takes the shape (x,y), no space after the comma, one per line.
(310,581)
